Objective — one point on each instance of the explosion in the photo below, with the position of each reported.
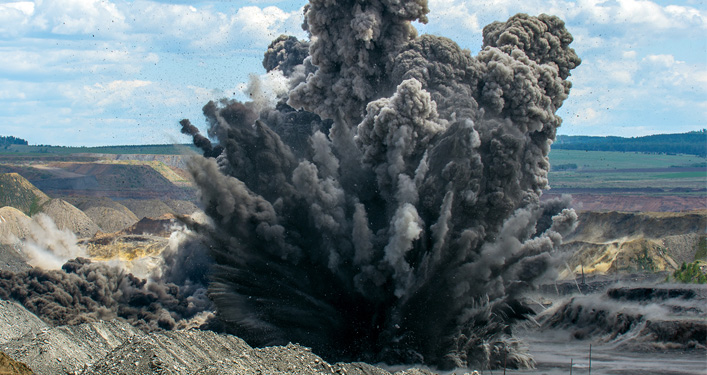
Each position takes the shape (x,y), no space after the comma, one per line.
(388,207)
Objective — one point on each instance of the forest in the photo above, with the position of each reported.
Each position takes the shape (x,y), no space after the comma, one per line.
(691,143)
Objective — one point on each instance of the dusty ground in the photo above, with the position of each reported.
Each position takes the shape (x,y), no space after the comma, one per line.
(115,347)
(636,202)
(630,242)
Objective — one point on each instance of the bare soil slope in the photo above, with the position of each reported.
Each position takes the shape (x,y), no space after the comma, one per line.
(16,191)
(115,347)
(66,216)
(108,214)
(14,224)
(9,366)
(157,207)
(111,180)
(625,242)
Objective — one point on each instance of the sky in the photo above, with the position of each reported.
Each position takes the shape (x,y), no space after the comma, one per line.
(116,72)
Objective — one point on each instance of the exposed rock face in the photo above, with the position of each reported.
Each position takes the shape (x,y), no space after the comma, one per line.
(605,226)
(622,242)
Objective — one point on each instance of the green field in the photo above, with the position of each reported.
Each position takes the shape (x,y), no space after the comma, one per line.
(22,150)
(623,160)
(628,170)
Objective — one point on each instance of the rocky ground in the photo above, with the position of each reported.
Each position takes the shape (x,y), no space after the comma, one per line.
(115,347)
(630,242)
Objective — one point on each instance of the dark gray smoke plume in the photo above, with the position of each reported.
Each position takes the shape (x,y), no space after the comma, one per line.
(83,291)
(388,208)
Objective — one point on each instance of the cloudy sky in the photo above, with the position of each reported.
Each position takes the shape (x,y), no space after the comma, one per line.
(108,72)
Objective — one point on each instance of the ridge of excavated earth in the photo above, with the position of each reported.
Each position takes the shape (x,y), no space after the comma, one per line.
(68,217)
(16,191)
(628,242)
(9,366)
(116,347)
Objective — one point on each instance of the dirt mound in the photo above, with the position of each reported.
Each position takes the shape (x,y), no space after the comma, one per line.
(11,259)
(108,214)
(624,242)
(16,321)
(181,207)
(66,216)
(111,180)
(147,207)
(155,207)
(14,224)
(606,226)
(68,349)
(115,347)
(17,192)
(8,366)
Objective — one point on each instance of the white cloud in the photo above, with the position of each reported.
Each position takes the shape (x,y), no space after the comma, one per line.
(629,55)
(640,12)
(454,14)
(15,18)
(78,17)
(115,92)
(667,70)
(107,58)
(620,71)
(266,24)
(182,26)
(664,60)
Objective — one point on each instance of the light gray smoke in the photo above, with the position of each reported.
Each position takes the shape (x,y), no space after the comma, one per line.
(654,318)
(388,209)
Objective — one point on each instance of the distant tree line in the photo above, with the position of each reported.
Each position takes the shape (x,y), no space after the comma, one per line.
(10,140)
(692,143)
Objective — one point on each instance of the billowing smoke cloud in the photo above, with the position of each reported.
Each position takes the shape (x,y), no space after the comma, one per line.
(65,287)
(49,247)
(388,208)
(83,291)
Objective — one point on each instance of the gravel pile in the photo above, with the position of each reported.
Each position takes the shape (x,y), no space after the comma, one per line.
(155,208)
(66,216)
(108,214)
(14,224)
(115,347)
(147,207)
(16,191)
(16,321)
(181,207)
(11,259)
